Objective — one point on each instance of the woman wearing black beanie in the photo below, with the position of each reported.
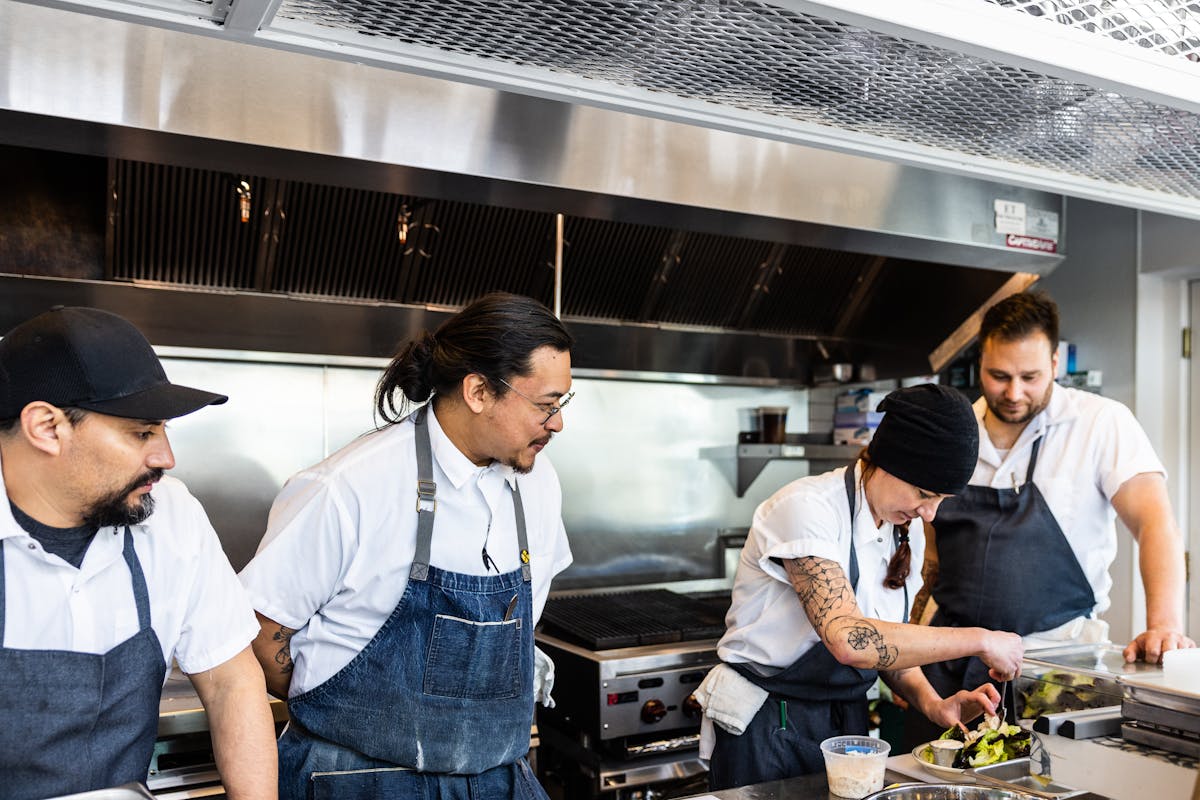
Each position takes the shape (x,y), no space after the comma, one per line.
(822,594)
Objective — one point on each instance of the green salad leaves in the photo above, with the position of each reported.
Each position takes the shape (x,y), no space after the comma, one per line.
(992,741)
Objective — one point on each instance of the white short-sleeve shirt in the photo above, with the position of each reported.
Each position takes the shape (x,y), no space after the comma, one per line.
(341,537)
(766,623)
(198,608)
(1091,446)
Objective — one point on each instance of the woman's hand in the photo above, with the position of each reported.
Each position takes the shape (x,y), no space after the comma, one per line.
(1002,652)
(964,706)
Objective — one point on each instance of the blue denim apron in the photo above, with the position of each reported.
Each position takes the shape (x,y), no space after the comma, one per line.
(439,704)
(813,699)
(77,722)
(1004,565)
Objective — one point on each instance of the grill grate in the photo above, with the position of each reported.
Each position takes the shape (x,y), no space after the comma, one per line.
(629,619)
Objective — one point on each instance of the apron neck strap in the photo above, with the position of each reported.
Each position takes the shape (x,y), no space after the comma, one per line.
(2,593)
(141,595)
(1033,456)
(851,498)
(427,505)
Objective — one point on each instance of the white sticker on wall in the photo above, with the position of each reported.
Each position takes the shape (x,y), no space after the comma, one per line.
(1043,224)
(1010,216)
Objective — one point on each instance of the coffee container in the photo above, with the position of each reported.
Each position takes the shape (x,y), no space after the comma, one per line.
(774,424)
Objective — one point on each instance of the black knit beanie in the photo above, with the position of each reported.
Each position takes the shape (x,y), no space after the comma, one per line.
(929,437)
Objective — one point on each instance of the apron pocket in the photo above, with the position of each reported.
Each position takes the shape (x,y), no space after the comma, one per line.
(474,660)
(392,783)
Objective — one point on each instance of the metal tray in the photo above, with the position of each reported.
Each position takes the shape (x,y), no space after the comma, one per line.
(1104,660)
(1158,690)
(1015,775)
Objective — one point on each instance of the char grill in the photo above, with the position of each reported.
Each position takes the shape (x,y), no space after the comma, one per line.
(630,619)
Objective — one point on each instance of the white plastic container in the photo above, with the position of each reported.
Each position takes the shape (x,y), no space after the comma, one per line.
(854,765)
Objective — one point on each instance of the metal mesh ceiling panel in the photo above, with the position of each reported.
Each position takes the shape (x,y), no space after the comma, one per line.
(1169,26)
(764,60)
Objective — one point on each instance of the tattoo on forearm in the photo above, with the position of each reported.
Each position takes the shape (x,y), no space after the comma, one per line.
(862,635)
(829,603)
(284,656)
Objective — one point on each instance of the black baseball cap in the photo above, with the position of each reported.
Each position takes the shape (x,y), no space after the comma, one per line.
(91,359)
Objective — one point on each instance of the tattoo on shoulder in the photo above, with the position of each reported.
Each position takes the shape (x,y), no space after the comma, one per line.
(828,600)
(284,656)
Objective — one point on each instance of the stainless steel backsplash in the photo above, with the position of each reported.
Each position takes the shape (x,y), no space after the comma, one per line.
(643,492)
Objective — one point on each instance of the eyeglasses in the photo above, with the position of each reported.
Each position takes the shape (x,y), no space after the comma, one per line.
(549,408)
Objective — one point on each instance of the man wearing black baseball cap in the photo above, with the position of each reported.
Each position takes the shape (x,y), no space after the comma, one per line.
(109,570)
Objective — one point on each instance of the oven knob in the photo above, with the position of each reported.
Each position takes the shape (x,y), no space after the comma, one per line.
(653,711)
(692,708)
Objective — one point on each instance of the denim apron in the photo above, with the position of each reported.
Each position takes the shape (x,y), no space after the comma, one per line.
(439,704)
(813,699)
(77,722)
(1006,566)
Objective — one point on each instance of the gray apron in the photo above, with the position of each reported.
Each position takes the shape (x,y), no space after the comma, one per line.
(76,722)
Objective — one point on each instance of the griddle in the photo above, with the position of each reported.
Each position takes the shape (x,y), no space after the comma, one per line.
(630,619)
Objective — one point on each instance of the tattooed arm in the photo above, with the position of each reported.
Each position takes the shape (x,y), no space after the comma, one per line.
(860,641)
(273,649)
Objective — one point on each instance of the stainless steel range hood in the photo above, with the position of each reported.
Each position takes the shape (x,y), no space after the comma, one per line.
(691,249)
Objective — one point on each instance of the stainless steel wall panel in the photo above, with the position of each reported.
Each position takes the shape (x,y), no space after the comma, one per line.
(235,457)
(643,493)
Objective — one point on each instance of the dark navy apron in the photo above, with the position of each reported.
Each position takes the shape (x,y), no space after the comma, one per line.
(1005,565)
(78,722)
(439,704)
(813,699)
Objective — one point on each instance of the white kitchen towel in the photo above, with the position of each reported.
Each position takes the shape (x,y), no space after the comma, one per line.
(728,699)
(543,678)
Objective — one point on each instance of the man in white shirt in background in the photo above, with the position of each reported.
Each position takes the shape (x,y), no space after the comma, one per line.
(109,570)
(1027,547)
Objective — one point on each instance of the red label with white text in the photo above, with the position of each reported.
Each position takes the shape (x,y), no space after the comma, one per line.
(1031,243)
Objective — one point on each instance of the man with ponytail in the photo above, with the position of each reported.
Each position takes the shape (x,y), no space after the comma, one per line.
(822,596)
(400,580)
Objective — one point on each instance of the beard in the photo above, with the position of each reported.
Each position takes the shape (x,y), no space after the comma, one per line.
(1021,419)
(116,510)
(525,469)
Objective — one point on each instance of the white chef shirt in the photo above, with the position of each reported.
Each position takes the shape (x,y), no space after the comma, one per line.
(766,623)
(341,537)
(1091,446)
(197,607)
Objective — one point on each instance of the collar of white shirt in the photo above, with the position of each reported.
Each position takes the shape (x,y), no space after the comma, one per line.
(458,468)
(1061,409)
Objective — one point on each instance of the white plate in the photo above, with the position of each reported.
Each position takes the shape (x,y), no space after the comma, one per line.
(934,768)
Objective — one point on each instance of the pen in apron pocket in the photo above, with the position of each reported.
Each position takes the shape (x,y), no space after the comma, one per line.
(508,612)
